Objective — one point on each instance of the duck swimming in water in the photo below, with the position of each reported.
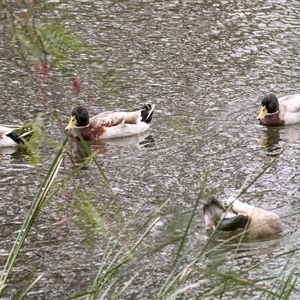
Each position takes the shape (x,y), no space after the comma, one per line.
(109,124)
(278,112)
(258,222)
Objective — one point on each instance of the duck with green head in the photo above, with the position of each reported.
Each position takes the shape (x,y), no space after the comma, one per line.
(110,124)
(278,112)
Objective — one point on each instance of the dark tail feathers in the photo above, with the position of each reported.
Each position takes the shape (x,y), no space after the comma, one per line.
(147,113)
(214,214)
(21,135)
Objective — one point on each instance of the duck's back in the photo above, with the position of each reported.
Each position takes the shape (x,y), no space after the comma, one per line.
(289,109)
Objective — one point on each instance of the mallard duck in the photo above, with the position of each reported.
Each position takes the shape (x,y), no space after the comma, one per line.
(14,136)
(110,124)
(258,222)
(282,111)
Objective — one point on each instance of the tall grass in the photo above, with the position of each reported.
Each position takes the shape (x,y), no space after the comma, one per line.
(41,199)
(186,277)
(32,214)
(42,45)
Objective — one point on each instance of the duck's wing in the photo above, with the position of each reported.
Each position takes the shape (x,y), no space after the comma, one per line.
(289,104)
(15,133)
(109,119)
(214,214)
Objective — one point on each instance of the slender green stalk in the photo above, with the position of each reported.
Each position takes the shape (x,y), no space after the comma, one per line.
(29,284)
(69,177)
(172,280)
(87,148)
(187,229)
(103,278)
(32,214)
(250,182)
(23,295)
(126,285)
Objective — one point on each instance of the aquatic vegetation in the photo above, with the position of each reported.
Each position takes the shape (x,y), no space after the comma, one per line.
(146,259)
(186,276)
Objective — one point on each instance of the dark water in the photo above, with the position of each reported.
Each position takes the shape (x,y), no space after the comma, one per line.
(205,64)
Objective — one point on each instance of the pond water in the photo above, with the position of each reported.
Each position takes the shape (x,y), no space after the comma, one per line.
(205,65)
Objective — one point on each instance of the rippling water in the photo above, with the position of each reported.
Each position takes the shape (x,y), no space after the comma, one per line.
(205,64)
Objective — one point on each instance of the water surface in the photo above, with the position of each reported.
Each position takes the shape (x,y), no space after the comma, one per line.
(205,64)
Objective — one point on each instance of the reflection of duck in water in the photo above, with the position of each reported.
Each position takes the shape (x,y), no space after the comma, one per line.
(108,125)
(274,138)
(138,141)
(258,222)
(278,112)
(270,139)
(133,141)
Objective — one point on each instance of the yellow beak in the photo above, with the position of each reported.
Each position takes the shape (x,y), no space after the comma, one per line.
(262,113)
(72,123)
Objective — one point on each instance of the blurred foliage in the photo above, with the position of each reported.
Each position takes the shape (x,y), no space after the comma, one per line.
(37,37)
(41,41)
(89,220)
(31,146)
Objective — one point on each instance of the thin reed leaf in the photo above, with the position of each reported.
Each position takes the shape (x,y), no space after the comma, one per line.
(107,290)
(127,284)
(182,290)
(36,280)
(72,174)
(172,280)
(29,282)
(104,276)
(289,285)
(142,237)
(239,283)
(32,214)
(250,182)
(87,148)
(152,216)
(187,229)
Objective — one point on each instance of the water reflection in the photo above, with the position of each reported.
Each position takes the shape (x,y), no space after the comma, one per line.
(204,65)
(15,152)
(8,150)
(274,138)
(78,152)
(270,140)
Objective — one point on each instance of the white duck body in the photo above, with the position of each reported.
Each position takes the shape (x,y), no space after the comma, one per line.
(256,222)
(289,109)
(262,222)
(119,124)
(13,136)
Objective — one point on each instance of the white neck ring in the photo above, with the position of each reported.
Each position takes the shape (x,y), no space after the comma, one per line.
(271,114)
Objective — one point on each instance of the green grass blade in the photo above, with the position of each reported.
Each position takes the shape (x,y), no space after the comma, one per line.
(172,280)
(32,214)
(87,148)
